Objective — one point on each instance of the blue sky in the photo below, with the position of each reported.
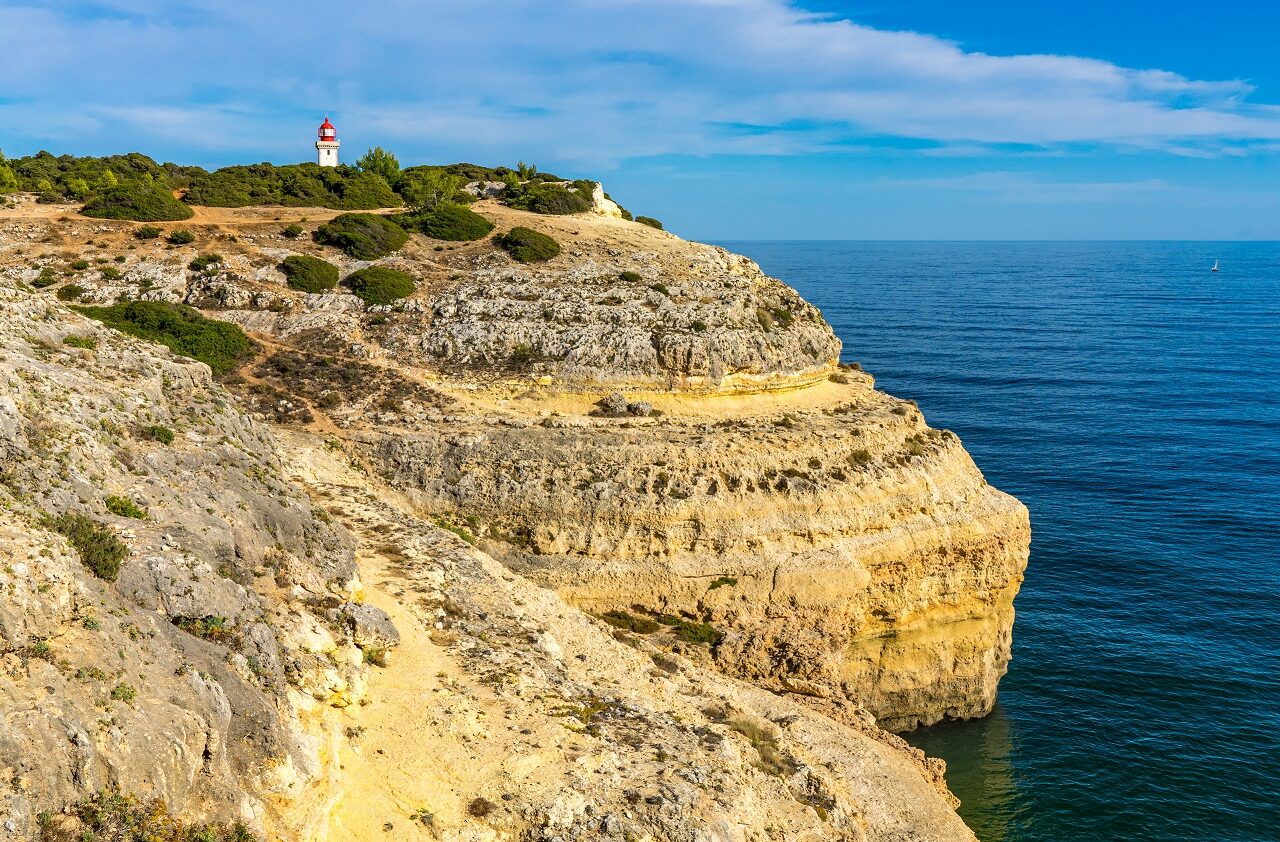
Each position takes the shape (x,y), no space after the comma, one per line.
(728,119)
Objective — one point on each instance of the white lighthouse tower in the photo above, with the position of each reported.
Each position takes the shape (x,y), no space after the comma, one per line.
(327,144)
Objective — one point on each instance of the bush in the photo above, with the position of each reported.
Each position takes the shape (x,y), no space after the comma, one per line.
(293,185)
(47,278)
(309,274)
(124,507)
(111,273)
(124,693)
(550,199)
(631,277)
(79,265)
(379,285)
(158,433)
(454,223)
(219,345)
(204,261)
(630,622)
(650,221)
(147,232)
(292,231)
(364,236)
(70,292)
(139,202)
(181,237)
(98,547)
(88,343)
(528,246)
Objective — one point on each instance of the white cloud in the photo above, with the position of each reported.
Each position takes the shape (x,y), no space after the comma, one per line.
(591,81)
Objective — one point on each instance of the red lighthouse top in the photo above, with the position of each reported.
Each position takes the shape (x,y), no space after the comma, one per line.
(327,131)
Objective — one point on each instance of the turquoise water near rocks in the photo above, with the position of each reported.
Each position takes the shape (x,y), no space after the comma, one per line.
(1132,400)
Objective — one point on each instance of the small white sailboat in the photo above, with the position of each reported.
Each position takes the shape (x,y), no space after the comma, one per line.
(1215,267)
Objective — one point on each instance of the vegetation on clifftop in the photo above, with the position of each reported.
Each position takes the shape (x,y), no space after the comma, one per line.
(364,236)
(137,201)
(309,274)
(380,285)
(527,245)
(219,345)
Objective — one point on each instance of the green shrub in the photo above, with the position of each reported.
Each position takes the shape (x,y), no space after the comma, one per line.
(292,185)
(292,231)
(631,277)
(549,199)
(379,285)
(309,274)
(70,292)
(124,507)
(86,342)
(181,237)
(139,202)
(364,236)
(630,622)
(147,232)
(723,582)
(204,261)
(527,245)
(98,547)
(650,221)
(455,223)
(698,326)
(80,265)
(46,278)
(660,288)
(182,329)
(691,632)
(159,433)
(111,273)
(208,627)
(124,693)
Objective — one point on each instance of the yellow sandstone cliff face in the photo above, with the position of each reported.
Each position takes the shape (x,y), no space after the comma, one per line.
(843,548)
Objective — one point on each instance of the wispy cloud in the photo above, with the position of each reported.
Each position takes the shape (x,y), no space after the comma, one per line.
(592,81)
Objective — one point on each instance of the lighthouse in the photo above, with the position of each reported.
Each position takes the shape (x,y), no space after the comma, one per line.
(327,144)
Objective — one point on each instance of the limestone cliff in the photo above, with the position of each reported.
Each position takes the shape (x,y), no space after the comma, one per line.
(749,514)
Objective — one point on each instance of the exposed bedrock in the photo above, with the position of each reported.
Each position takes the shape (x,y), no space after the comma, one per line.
(845,551)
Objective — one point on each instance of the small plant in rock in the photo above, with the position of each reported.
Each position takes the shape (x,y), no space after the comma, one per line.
(124,507)
(630,622)
(723,582)
(380,285)
(527,245)
(98,547)
(309,274)
(124,693)
(40,650)
(111,273)
(80,265)
(292,231)
(698,326)
(92,623)
(181,237)
(46,278)
(480,807)
(159,433)
(375,656)
(88,343)
(204,262)
(147,232)
(70,292)
(631,277)
(661,289)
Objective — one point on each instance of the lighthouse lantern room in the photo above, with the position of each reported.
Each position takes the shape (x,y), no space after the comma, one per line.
(327,145)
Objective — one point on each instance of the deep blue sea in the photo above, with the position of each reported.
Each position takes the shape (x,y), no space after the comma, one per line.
(1132,400)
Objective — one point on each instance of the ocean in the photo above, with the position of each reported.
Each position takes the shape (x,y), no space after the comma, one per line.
(1131,399)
